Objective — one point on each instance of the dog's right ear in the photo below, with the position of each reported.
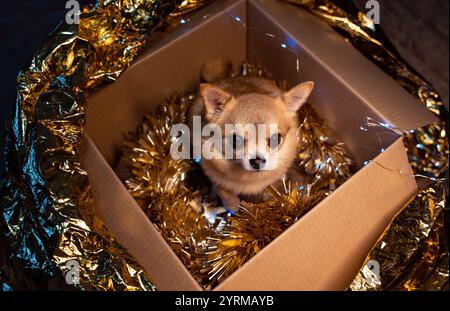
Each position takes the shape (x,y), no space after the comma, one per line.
(214,99)
(297,96)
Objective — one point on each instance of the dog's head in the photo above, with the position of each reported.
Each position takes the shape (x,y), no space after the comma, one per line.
(258,130)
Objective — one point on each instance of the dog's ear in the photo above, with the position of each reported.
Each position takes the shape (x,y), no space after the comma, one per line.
(297,96)
(214,99)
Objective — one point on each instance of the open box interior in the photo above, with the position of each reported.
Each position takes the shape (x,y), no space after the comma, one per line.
(324,249)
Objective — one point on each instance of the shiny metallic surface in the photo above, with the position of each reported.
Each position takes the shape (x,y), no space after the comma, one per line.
(47,216)
(413,251)
(47,219)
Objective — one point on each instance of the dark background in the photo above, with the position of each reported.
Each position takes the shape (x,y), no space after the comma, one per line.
(418,29)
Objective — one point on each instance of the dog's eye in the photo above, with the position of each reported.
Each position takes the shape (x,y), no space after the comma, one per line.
(236,141)
(274,140)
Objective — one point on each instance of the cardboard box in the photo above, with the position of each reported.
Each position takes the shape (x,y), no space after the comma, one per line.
(324,249)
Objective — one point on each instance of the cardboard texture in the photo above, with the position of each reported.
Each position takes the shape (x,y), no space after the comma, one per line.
(344,78)
(120,212)
(324,249)
(173,65)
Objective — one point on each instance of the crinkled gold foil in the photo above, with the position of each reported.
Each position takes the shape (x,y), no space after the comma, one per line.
(409,257)
(47,218)
(176,196)
(45,188)
(413,252)
(370,40)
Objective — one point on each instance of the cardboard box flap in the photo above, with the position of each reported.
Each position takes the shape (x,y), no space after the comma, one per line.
(164,69)
(366,81)
(315,244)
(126,220)
(325,248)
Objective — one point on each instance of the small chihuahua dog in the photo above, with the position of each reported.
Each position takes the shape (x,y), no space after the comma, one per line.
(259,161)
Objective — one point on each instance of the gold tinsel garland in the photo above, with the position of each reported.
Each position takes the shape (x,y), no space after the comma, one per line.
(44,221)
(174,201)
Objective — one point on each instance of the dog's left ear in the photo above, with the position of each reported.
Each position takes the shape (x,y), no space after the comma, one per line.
(297,96)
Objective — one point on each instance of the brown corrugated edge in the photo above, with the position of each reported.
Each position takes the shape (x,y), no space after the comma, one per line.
(167,67)
(348,87)
(351,218)
(371,85)
(140,237)
(126,220)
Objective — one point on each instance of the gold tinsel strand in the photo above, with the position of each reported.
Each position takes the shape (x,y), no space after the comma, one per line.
(44,179)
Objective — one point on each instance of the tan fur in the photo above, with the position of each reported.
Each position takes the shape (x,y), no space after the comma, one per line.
(249,100)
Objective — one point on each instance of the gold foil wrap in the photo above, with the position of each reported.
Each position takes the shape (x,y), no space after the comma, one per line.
(176,198)
(49,232)
(412,254)
(46,219)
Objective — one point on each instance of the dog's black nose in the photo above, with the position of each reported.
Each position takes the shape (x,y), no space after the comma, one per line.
(257,163)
